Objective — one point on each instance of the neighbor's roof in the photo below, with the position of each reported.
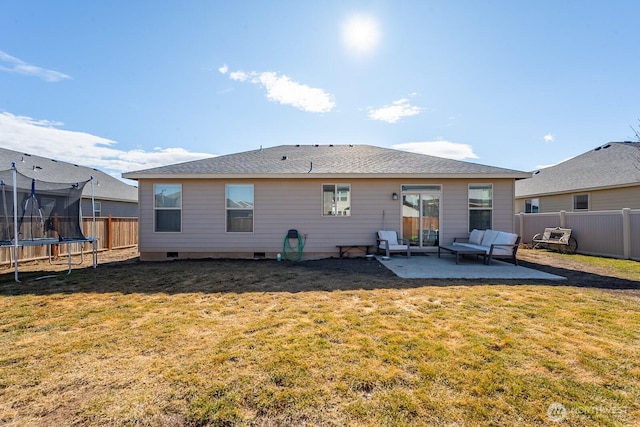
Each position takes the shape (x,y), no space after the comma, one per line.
(105,186)
(615,164)
(336,161)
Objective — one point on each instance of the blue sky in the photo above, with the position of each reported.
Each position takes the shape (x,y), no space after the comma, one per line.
(128,85)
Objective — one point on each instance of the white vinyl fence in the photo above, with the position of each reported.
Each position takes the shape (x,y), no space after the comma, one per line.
(614,234)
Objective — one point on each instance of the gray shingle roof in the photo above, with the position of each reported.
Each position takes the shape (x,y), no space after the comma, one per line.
(309,161)
(615,164)
(105,186)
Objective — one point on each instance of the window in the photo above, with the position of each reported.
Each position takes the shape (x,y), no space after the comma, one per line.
(167,204)
(532,206)
(239,208)
(97,208)
(581,202)
(480,206)
(421,188)
(336,200)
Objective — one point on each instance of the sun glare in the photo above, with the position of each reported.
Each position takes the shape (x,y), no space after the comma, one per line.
(360,33)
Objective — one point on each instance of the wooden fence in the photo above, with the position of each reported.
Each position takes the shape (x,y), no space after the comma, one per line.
(614,234)
(112,233)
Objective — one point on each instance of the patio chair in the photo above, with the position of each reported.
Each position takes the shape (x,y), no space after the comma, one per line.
(388,242)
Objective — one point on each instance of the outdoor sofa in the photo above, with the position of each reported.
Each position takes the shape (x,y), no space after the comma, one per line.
(495,244)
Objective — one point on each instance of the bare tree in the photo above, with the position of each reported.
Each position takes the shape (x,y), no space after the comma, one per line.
(636,132)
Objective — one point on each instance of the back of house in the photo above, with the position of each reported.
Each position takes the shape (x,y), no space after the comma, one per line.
(244,205)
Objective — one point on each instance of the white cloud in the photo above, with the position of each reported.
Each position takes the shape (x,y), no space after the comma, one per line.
(43,138)
(548,138)
(224,69)
(239,76)
(282,89)
(392,113)
(12,64)
(441,148)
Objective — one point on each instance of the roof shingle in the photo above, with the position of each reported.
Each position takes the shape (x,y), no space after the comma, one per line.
(614,164)
(312,160)
(105,186)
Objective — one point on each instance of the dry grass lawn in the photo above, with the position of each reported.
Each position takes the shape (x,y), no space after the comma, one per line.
(336,342)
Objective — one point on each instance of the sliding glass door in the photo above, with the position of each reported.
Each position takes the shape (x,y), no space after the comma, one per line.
(421,214)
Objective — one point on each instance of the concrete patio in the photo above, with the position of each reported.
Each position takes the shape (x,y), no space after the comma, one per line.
(429,266)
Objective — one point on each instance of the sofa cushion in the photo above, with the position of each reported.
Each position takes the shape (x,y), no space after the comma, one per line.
(504,238)
(390,236)
(489,237)
(475,237)
(472,246)
(397,247)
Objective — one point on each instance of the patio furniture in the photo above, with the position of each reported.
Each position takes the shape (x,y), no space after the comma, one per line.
(388,241)
(458,249)
(557,238)
(495,244)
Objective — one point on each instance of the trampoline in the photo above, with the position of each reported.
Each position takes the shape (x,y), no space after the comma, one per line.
(38,212)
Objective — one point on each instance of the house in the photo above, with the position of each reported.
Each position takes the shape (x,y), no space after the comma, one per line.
(243,205)
(112,196)
(605,178)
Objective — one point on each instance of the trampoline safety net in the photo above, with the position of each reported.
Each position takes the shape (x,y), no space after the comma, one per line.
(45,210)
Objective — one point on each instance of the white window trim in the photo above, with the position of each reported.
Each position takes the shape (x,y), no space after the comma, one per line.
(167,208)
(573,202)
(335,192)
(479,208)
(227,209)
(532,204)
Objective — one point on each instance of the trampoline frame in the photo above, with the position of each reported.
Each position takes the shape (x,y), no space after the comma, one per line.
(16,243)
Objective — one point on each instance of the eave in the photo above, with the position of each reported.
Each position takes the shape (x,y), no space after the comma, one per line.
(577,190)
(136,176)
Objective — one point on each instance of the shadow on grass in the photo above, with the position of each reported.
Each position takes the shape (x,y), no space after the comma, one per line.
(243,276)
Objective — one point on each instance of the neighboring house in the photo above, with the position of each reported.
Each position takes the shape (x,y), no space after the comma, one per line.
(605,178)
(242,205)
(112,196)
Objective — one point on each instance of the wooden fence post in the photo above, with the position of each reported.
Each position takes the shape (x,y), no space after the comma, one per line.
(109,232)
(55,248)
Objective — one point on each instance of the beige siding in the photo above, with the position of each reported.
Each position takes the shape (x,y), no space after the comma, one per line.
(599,200)
(615,198)
(281,205)
(557,203)
(455,212)
(503,205)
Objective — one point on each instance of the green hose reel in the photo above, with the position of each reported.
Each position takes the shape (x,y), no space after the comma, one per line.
(289,252)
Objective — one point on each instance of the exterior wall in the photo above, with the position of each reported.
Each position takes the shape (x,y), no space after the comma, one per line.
(503,201)
(281,205)
(615,198)
(599,200)
(115,209)
(557,203)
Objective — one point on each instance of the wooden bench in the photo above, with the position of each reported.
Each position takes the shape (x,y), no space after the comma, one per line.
(556,238)
(343,249)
